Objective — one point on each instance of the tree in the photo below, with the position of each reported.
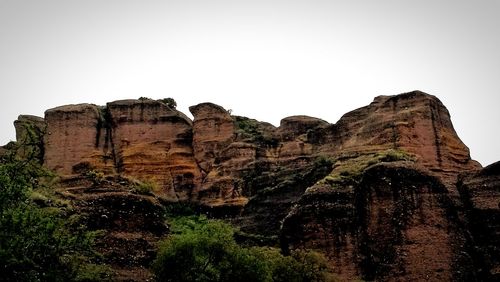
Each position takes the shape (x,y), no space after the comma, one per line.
(38,244)
(205,250)
(169,102)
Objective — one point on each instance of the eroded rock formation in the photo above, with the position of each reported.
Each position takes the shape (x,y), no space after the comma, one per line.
(376,191)
(480,192)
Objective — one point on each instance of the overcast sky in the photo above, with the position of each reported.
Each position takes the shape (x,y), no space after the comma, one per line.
(262,59)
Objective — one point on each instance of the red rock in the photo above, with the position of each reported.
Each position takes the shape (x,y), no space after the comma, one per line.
(480,192)
(73,137)
(152,142)
(30,131)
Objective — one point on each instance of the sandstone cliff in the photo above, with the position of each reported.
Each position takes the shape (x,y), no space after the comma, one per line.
(205,159)
(376,191)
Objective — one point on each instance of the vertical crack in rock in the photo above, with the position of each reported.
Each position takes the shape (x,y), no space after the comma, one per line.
(437,140)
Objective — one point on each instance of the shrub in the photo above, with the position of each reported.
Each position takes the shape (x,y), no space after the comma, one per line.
(249,129)
(144,187)
(170,102)
(205,250)
(97,177)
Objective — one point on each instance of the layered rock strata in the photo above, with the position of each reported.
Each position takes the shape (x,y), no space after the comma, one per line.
(206,159)
(367,191)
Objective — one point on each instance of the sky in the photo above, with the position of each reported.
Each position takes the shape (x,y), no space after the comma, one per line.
(261,59)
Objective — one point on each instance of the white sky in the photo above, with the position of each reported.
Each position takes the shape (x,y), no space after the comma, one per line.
(262,59)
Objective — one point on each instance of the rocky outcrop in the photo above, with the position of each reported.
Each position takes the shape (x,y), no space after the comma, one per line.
(72,138)
(152,142)
(30,131)
(144,139)
(207,159)
(480,192)
(26,123)
(213,136)
(415,122)
(392,222)
(130,223)
(367,190)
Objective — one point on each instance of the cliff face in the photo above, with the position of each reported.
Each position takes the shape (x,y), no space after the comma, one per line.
(480,192)
(152,142)
(376,191)
(205,159)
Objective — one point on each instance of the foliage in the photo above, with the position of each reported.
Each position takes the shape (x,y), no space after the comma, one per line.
(38,244)
(249,129)
(170,102)
(205,250)
(348,170)
(266,180)
(393,155)
(301,265)
(30,146)
(97,177)
(144,187)
(180,209)
(93,272)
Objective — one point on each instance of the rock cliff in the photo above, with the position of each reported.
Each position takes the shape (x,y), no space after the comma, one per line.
(480,192)
(376,191)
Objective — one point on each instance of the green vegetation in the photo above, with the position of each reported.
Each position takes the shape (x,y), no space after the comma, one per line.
(250,130)
(37,241)
(97,177)
(205,250)
(144,187)
(348,170)
(31,143)
(170,102)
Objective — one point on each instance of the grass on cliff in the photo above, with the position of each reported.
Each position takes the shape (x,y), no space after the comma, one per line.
(200,249)
(144,187)
(348,170)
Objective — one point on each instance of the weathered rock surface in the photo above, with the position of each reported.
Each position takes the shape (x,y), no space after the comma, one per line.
(152,142)
(375,191)
(206,160)
(131,223)
(213,136)
(137,138)
(30,131)
(480,192)
(73,137)
(393,222)
(415,122)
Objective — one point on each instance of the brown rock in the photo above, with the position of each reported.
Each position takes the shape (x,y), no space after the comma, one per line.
(392,224)
(480,192)
(28,122)
(213,131)
(217,157)
(329,184)
(73,137)
(294,126)
(30,131)
(415,122)
(152,142)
